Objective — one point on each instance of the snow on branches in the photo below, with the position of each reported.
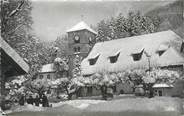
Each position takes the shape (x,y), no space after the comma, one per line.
(161,76)
(134,77)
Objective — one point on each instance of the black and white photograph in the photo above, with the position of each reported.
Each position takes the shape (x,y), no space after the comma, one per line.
(92,58)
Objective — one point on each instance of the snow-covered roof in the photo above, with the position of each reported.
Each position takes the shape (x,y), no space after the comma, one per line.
(163,47)
(170,57)
(162,85)
(81,26)
(150,43)
(47,68)
(13,55)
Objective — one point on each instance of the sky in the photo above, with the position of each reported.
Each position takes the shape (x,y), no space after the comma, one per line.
(53,17)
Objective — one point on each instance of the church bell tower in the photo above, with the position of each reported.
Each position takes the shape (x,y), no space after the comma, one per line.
(80,41)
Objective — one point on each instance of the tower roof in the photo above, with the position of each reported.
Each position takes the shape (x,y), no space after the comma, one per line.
(81,26)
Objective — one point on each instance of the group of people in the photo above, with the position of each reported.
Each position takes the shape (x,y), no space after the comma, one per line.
(42,99)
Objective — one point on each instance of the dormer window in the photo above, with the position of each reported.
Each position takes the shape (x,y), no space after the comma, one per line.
(92,61)
(160,52)
(162,48)
(113,59)
(76,39)
(137,56)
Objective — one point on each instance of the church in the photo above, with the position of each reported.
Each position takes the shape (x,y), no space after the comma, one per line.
(81,39)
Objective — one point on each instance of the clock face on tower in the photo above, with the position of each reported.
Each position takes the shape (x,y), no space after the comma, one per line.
(76,39)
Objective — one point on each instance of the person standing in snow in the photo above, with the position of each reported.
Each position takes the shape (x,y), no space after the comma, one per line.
(36,100)
(45,101)
(21,100)
(30,100)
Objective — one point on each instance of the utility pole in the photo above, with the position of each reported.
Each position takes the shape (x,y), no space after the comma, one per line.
(149,64)
(149,67)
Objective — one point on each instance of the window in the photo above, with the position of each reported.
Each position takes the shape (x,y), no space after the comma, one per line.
(162,48)
(92,61)
(113,59)
(137,56)
(161,52)
(76,49)
(48,76)
(41,76)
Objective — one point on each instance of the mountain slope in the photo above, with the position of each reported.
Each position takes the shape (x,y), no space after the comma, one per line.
(171,17)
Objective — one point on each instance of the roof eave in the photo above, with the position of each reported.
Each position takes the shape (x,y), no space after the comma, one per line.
(13,54)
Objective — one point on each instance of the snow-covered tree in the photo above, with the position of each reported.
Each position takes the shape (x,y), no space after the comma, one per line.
(69,85)
(39,86)
(77,66)
(121,26)
(60,65)
(101,81)
(16,88)
(134,77)
(161,76)
(147,79)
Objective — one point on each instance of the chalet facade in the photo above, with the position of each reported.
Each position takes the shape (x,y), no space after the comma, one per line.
(156,50)
(47,72)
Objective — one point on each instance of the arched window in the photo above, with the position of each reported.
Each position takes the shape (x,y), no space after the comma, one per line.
(78,49)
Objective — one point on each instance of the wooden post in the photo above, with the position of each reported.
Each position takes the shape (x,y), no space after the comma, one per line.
(2,86)
(2,92)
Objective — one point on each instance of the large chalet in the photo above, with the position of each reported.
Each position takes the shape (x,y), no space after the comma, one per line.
(155,50)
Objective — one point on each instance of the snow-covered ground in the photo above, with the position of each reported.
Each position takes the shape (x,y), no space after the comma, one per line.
(157,105)
(81,104)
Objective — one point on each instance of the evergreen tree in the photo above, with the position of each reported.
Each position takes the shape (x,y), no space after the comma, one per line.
(132,25)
